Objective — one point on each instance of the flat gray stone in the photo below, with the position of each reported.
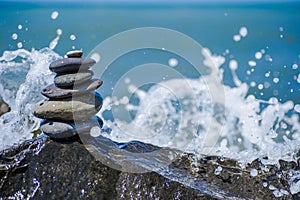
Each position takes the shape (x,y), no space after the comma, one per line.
(54,92)
(68,80)
(62,130)
(71,65)
(77,108)
(74,54)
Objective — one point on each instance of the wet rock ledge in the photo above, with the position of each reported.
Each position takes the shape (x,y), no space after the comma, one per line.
(44,169)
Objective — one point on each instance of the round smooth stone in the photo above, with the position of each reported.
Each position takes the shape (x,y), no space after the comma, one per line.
(77,108)
(54,92)
(62,130)
(68,80)
(71,65)
(74,54)
(4,107)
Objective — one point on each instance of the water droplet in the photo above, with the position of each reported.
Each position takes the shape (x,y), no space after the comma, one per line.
(20,45)
(266,84)
(14,36)
(280,29)
(72,37)
(265,183)
(258,55)
(218,170)
(297,108)
(20,27)
(233,64)
(58,31)
(283,125)
(243,31)
(252,63)
(295,66)
(268,58)
(236,38)
(267,74)
(252,84)
(253,172)
(275,80)
(54,15)
(95,131)
(284,192)
(277,193)
(272,187)
(173,62)
(260,86)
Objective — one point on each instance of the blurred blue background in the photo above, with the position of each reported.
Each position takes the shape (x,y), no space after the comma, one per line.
(271,26)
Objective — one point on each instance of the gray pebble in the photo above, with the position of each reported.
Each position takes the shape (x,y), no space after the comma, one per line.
(62,130)
(71,65)
(68,80)
(54,92)
(77,108)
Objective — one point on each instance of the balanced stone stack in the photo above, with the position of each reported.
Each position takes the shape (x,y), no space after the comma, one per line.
(73,102)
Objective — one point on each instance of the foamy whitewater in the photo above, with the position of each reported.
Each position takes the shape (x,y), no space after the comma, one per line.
(23,74)
(237,128)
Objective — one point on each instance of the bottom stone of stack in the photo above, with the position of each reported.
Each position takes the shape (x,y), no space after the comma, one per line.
(60,130)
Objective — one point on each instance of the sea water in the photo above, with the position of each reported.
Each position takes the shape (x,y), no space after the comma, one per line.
(255,49)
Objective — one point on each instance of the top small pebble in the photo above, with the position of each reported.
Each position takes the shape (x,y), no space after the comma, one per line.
(74,54)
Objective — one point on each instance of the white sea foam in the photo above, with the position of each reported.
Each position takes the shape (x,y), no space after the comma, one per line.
(248,131)
(21,83)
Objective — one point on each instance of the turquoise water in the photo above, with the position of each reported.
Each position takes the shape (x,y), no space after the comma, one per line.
(272,27)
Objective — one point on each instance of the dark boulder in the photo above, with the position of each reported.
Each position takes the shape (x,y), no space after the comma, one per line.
(44,169)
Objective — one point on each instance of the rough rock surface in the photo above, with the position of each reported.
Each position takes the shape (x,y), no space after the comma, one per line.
(43,169)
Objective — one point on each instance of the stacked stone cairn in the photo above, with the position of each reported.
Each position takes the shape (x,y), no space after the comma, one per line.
(73,102)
